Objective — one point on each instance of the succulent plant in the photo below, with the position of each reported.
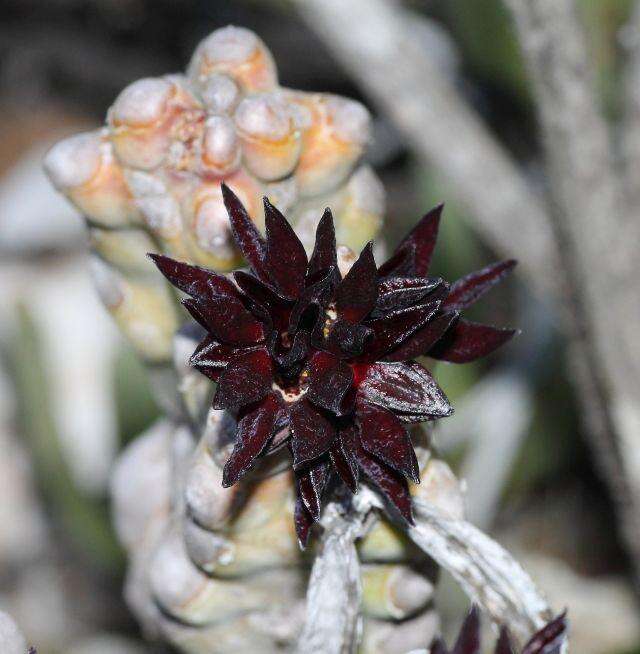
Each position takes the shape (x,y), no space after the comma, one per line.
(547,640)
(313,350)
(150,179)
(324,363)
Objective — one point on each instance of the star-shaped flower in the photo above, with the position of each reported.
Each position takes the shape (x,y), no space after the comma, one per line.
(294,344)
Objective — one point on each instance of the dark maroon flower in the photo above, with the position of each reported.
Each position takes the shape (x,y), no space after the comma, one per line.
(546,641)
(293,344)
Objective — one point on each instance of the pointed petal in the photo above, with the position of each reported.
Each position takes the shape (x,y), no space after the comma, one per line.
(255,428)
(246,379)
(193,280)
(329,381)
(438,647)
(405,388)
(286,259)
(311,484)
(391,484)
(212,354)
(303,522)
(469,639)
(311,432)
(390,332)
(402,263)
(196,312)
(384,436)
(324,252)
(356,296)
(422,238)
(402,292)
(246,234)
(343,459)
(503,646)
(227,319)
(472,287)
(549,639)
(424,339)
(258,290)
(468,341)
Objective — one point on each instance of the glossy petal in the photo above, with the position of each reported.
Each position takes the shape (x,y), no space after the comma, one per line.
(329,381)
(356,296)
(311,432)
(311,483)
(227,319)
(297,353)
(246,379)
(422,240)
(402,263)
(255,428)
(549,639)
(246,234)
(285,256)
(503,646)
(303,522)
(384,436)
(468,341)
(472,287)
(402,292)
(469,639)
(210,354)
(348,340)
(390,483)
(424,339)
(405,388)
(390,332)
(194,281)
(343,458)
(324,252)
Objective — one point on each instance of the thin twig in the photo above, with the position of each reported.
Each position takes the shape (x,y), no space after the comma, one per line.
(335,589)
(598,239)
(486,572)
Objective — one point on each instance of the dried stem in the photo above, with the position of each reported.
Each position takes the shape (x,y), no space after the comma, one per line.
(335,589)
(485,571)
(598,238)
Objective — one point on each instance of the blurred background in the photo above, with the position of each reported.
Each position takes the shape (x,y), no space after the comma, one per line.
(72,392)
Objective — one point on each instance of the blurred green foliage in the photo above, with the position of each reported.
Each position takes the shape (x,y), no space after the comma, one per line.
(81,519)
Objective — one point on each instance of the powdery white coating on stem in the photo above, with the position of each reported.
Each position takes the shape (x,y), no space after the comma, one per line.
(219,94)
(486,572)
(212,228)
(335,589)
(142,102)
(11,639)
(230,44)
(367,191)
(74,161)
(264,116)
(220,143)
(351,120)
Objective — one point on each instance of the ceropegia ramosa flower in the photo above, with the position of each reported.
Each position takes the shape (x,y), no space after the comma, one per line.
(293,344)
(547,640)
